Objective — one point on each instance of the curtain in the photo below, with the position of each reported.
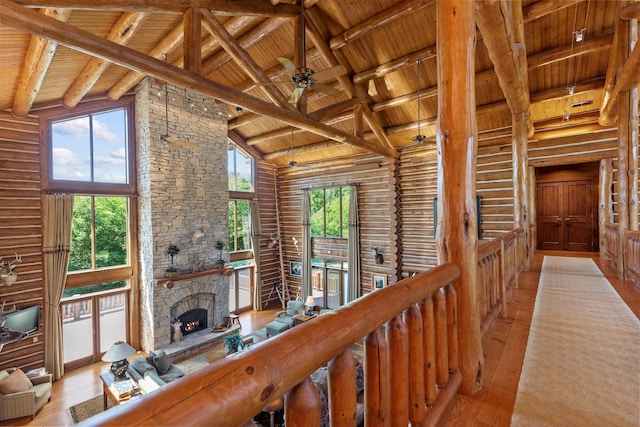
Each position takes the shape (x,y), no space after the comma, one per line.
(306,246)
(254,215)
(57,216)
(353,257)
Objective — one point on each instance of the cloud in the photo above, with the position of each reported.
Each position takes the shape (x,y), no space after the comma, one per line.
(67,166)
(79,128)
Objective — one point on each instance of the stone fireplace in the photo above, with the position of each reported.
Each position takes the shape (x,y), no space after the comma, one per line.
(182,191)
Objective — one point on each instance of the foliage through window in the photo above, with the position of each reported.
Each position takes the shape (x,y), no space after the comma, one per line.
(330,212)
(91,148)
(98,233)
(239,226)
(240,169)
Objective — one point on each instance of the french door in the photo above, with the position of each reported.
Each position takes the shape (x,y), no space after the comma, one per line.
(241,289)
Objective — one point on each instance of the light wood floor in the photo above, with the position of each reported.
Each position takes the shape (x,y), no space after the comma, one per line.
(503,346)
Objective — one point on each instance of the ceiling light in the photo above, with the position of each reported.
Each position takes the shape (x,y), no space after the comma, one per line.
(419,138)
(579,35)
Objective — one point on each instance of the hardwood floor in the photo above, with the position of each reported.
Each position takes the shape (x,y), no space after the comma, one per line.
(503,346)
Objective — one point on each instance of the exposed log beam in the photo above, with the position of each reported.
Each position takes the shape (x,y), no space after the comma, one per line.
(623,71)
(395,65)
(36,63)
(335,58)
(242,144)
(32,22)
(495,21)
(545,7)
(322,145)
(217,7)
(243,59)
(121,33)
(563,53)
(192,37)
(377,21)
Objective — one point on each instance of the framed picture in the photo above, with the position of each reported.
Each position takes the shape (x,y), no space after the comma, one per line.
(295,268)
(379,281)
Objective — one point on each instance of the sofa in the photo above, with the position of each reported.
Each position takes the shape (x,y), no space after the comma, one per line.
(153,371)
(20,395)
(293,309)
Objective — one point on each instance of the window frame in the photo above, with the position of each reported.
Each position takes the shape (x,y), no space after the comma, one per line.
(324,209)
(235,176)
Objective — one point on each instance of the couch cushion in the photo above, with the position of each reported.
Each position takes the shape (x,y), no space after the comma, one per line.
(162,362)
(16,382)
(141,365)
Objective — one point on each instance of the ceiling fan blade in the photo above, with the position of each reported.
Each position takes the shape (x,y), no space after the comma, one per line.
(329,90)
(330,73)
(295,96)
(286,62)
(172,140)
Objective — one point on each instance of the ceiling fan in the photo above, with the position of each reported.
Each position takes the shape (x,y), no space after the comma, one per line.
(305,78)
(419,138)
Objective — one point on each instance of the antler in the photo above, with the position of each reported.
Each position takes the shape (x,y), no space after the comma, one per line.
(11,265)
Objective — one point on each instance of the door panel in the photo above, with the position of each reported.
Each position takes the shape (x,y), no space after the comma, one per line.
(565,215)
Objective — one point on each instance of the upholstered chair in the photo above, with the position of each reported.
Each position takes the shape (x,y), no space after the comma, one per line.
(293,309)
(28,402)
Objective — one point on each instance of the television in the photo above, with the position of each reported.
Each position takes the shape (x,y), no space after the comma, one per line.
(25,321)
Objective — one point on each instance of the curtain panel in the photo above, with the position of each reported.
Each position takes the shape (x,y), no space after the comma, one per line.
(306,246)
(254,215)
(353,256)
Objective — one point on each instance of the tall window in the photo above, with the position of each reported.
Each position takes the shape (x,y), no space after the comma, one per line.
(90,155)
(330,212)
(239,226)
(240,167)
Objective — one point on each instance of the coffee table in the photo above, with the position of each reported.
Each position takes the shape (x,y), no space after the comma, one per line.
(301,318)
(110,395)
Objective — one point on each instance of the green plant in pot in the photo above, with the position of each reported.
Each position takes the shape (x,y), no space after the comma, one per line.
(220,247)
(172,251)
(233,343)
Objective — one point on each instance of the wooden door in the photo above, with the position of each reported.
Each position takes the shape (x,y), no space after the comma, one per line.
(565,215)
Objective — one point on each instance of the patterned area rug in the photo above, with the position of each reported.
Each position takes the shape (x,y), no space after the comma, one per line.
(86,409)
(581,366)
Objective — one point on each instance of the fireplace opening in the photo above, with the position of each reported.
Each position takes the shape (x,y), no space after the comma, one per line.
(193,321)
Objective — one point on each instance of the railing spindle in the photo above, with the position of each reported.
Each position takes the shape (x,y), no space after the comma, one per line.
(417,399)
(429,344)
(442,352)
(397,336)
(302,405)
(376,379)
(342,390)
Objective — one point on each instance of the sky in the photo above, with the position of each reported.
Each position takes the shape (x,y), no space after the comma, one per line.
(71,144)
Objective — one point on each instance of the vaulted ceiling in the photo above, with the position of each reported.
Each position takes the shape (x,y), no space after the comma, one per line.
(372,61)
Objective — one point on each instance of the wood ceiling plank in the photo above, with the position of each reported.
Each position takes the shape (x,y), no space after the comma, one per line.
(121,33)
(32,22)
(36,64)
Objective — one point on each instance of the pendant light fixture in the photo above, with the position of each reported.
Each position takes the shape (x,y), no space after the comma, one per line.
(166,138)
(419,138)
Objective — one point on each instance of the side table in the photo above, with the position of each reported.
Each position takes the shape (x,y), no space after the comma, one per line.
(301,318)
(109,394)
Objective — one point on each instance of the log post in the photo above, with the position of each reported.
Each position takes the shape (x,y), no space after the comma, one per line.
(429,338)
(456,137)
(633,170)
(302,405)
(440,325)
(417,408)
(342,390)
(376,380)
(397,336)
(520,187)
(605,205)
(533,228)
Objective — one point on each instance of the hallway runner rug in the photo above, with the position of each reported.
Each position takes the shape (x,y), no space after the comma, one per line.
(582,361)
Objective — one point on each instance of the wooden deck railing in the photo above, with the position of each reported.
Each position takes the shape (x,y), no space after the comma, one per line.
(411,366)
(500,262)
(632,266)
(611,250)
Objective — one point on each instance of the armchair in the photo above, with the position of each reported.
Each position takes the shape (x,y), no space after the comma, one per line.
(293,309)
(21,404)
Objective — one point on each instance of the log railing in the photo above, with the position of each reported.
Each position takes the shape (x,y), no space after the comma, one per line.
(632,249)
(500,262)
(411,366)
(611,244)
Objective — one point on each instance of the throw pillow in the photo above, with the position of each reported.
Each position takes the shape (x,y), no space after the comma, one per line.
(150,357)
(16,382)
(162,362)
(141,365)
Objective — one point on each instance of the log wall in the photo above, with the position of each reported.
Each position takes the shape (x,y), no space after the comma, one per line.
(21,231)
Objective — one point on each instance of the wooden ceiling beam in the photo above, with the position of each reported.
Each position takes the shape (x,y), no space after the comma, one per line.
(394,65)
(191,49)
(122,32)
(377,21)
(314,146)
(237,139)
(568,51)
(32,22)
(545,7)
(507,54)
(243,59)
(217,7)
(36,64)
(336,58)
(623,70)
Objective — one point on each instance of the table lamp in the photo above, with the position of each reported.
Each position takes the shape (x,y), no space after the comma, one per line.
(310,303)
(117,355)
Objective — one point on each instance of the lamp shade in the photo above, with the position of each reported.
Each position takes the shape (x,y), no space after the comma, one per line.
(118,351)
(310,302)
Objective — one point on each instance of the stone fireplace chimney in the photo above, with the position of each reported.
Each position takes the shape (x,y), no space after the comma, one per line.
(182,190)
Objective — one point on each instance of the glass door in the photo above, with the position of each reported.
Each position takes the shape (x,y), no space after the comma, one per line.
(241,289)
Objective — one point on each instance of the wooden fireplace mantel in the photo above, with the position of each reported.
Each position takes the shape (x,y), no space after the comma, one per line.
(168,283)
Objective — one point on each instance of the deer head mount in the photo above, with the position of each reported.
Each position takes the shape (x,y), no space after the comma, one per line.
(8,275)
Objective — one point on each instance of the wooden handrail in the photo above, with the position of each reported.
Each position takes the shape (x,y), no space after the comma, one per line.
(231,391)
(632,252)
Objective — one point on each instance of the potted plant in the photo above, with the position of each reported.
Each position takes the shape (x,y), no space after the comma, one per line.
(220,247)
(171,252)
(233,343)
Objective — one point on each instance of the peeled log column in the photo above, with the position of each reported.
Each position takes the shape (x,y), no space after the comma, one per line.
(397,336)
(456,136)
(342,390)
